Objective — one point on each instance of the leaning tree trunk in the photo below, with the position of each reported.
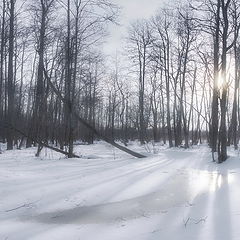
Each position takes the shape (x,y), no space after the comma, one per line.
(86,124)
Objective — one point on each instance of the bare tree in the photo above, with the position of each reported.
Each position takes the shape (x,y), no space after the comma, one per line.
(140,39)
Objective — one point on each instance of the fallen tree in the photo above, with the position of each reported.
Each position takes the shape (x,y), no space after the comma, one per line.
(41,143)
(86,124)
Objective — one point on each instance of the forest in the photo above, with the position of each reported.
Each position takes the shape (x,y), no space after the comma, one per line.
(120,146)
(181,86)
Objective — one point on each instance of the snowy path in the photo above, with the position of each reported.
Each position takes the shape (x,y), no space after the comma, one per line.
(175,194)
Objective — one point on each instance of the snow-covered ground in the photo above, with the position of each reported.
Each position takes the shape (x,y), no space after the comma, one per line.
(108,195)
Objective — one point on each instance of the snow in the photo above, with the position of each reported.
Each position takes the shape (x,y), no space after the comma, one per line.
(109,195)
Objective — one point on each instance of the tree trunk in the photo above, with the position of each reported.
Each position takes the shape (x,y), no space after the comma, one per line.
(11,76)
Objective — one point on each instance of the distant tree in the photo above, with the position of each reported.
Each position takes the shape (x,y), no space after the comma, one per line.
(140,40)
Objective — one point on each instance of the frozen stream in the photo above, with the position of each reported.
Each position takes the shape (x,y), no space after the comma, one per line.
(178,191)
(175,194)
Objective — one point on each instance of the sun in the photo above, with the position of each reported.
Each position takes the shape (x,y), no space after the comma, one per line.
(220,81)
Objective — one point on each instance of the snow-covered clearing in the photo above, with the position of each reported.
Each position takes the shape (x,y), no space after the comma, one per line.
(107,195)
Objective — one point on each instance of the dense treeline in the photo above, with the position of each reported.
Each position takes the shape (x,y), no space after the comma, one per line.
(180,86)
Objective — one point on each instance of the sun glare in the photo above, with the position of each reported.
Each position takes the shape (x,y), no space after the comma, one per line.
(220,81)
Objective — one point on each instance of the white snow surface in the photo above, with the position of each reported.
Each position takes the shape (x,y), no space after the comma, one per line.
(173,194)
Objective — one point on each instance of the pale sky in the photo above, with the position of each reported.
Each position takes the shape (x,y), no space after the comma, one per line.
(130,11)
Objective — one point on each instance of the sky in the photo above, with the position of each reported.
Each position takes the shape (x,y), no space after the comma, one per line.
(130,10)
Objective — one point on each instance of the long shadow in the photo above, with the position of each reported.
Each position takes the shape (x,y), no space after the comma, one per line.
(87,211)
(122,186)
(167,197)
(135,175)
